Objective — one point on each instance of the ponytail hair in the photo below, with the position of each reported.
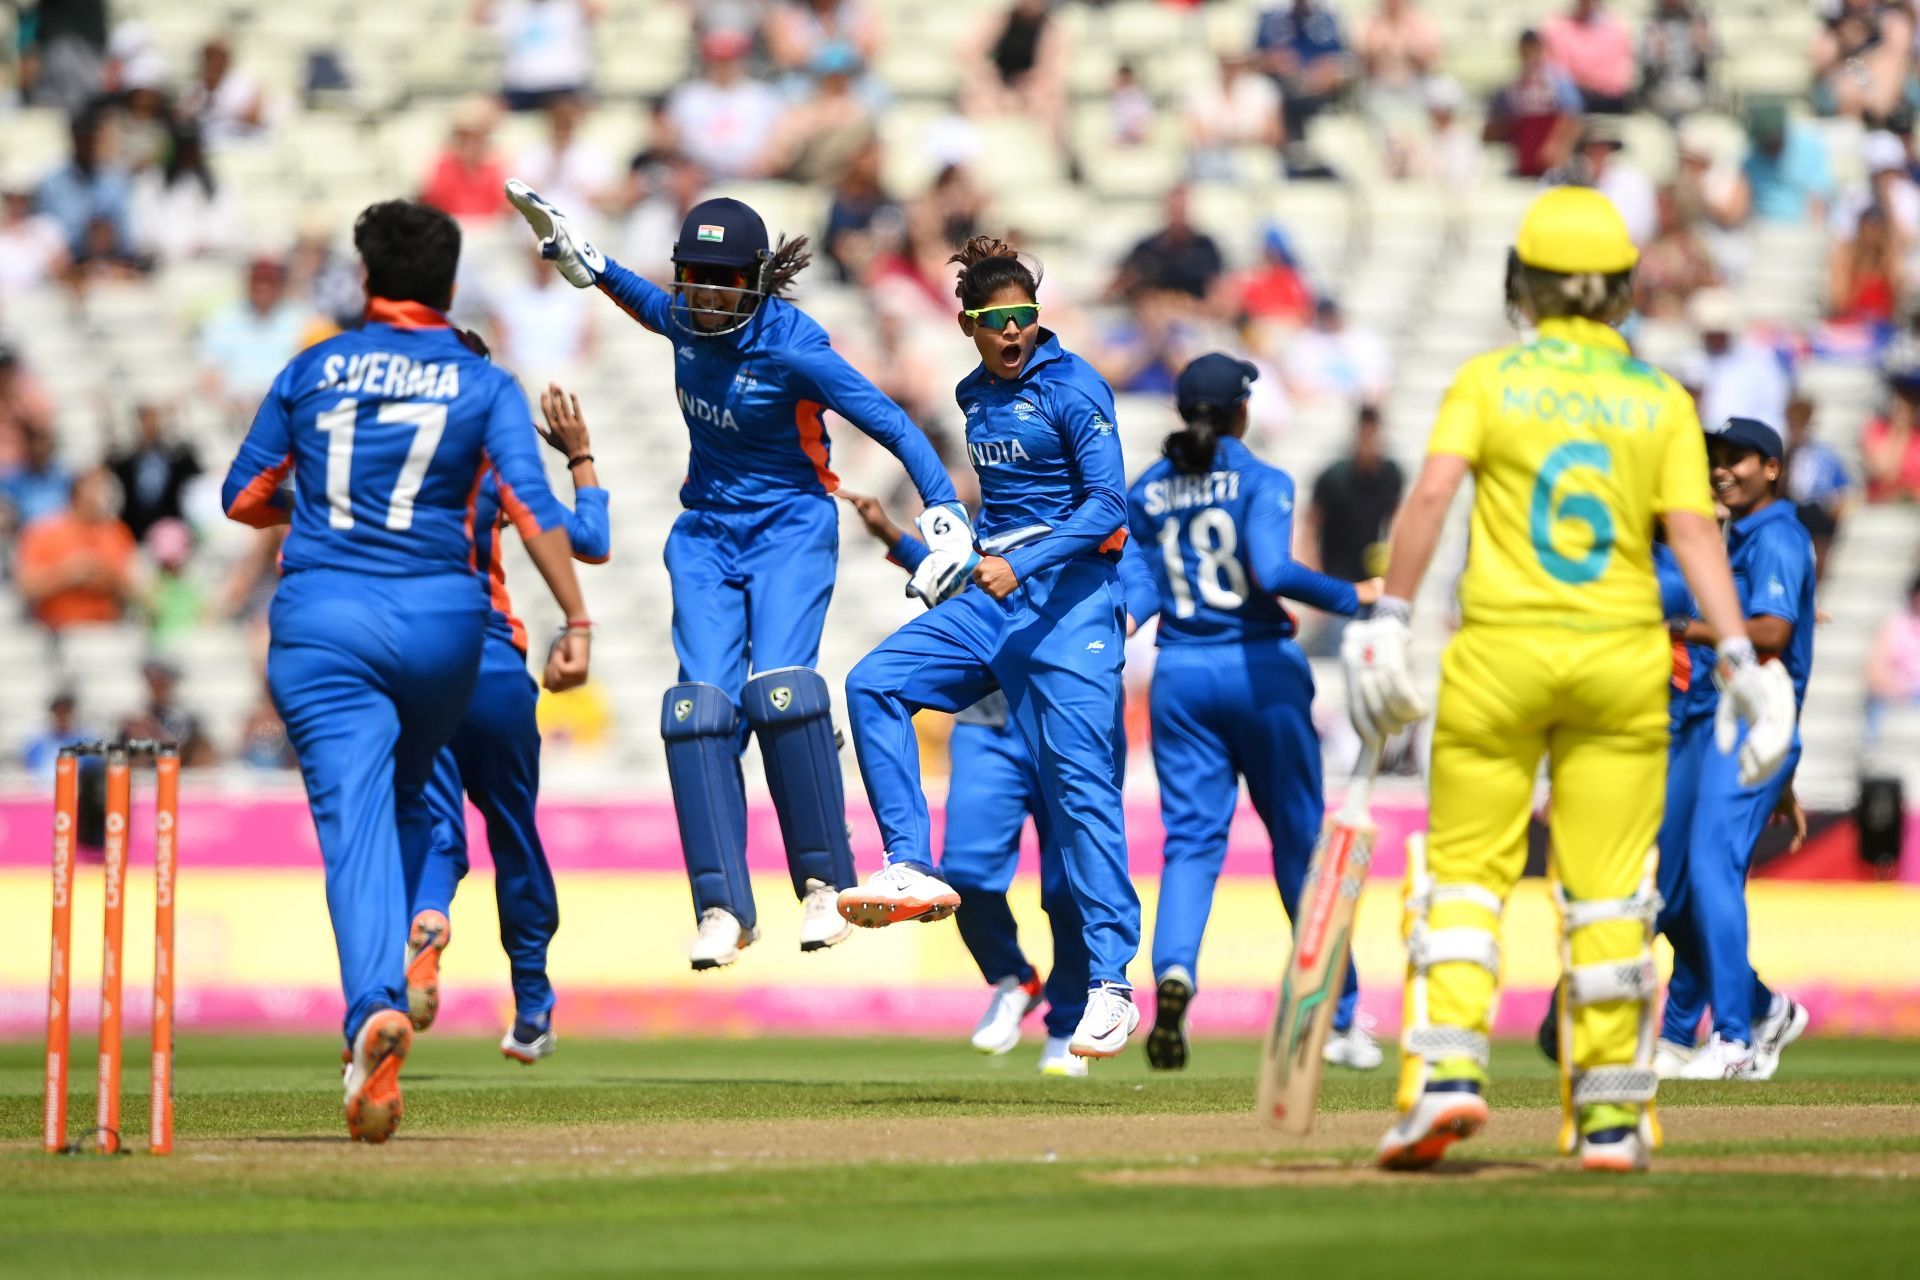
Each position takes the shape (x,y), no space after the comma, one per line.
(1190,449)
(789,259)
(989,264)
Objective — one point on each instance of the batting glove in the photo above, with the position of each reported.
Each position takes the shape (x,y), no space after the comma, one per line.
(580,264)
(1759,695)
(950,554)
(1381,697)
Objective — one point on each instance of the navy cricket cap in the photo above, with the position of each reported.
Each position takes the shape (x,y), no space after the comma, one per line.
(1214,378)
(1751,434)
(722,232)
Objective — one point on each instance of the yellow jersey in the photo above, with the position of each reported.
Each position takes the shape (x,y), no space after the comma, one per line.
(1576,447)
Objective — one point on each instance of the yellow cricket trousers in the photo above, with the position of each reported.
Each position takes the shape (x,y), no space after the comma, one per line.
(1595,703)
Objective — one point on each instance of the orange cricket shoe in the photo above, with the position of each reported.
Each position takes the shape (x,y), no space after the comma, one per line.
(373,1075)
(425,941)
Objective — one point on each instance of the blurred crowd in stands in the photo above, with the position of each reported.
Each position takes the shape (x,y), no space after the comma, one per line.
(787,90)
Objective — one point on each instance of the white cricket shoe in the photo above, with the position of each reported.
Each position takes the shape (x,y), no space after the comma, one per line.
(1785,1022)
(1620,1150)
(526,1044)
(580,264)
(820,924)
(1355,1047)
(1670,1058)
(1057,1059)
(999,1027)
(1445,1112)
(1110,1018)
(720,940)
(896,893)
(1720,1060)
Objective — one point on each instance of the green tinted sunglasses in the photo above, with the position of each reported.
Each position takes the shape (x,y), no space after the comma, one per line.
(996,317)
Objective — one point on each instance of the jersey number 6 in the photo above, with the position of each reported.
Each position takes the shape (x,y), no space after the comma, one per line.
(1579,508)
(429,421)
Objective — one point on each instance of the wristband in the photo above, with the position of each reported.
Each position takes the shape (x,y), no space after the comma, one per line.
(577,624)
(1394,607)
(577,459)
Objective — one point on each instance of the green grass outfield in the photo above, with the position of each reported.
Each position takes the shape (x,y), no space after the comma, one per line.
(837,1157)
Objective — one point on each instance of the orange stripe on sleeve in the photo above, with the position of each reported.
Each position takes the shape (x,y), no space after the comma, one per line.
(253,505)
(810,422)
(635,315)
(502,602)
(517,511)
(1115,541)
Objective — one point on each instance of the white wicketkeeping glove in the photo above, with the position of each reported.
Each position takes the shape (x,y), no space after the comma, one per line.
(580,264)
(1381,697)
(1760,695)
(950,554)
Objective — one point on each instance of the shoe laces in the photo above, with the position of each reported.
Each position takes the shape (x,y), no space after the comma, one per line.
(715,920)
(898,875)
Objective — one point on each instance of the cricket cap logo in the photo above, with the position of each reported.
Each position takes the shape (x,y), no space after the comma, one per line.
(683,708)
(781,698)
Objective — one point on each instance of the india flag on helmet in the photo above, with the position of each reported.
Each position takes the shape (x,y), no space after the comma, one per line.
(712,234)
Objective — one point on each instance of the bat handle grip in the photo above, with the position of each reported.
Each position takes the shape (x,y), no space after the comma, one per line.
(1353,810)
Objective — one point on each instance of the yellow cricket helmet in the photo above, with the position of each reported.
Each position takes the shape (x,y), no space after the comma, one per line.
(1575,231)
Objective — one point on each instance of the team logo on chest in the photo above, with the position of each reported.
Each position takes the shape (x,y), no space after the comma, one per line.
(1023,410)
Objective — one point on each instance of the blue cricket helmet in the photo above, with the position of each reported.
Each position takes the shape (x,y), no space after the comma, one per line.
(722,232)
(722,249)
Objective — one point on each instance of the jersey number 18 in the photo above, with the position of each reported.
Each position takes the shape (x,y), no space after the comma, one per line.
(1218,575)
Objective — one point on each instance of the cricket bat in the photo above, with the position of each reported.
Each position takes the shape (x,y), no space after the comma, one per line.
(1290,1061)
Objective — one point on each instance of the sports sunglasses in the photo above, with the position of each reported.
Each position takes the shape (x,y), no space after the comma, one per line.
(1022,315)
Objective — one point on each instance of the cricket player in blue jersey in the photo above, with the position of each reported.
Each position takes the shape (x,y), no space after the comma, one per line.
(377,626)
(495,758)
(1712,821)
(992,789)
(752,557)
(1232,693)
(1040,615)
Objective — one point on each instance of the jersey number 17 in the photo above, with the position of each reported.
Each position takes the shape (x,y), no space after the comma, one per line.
(337,424)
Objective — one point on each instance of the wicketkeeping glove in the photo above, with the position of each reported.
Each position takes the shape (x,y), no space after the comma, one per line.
(1381,697)
(579,262)
(1759,694)
(950,554)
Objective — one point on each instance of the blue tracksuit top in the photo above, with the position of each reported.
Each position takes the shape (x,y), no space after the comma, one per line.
(754,402)
(588,529)
(1225,550)
(1052,482)
(386,432)
(1772,557)
(1771,554)
(1692,693)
